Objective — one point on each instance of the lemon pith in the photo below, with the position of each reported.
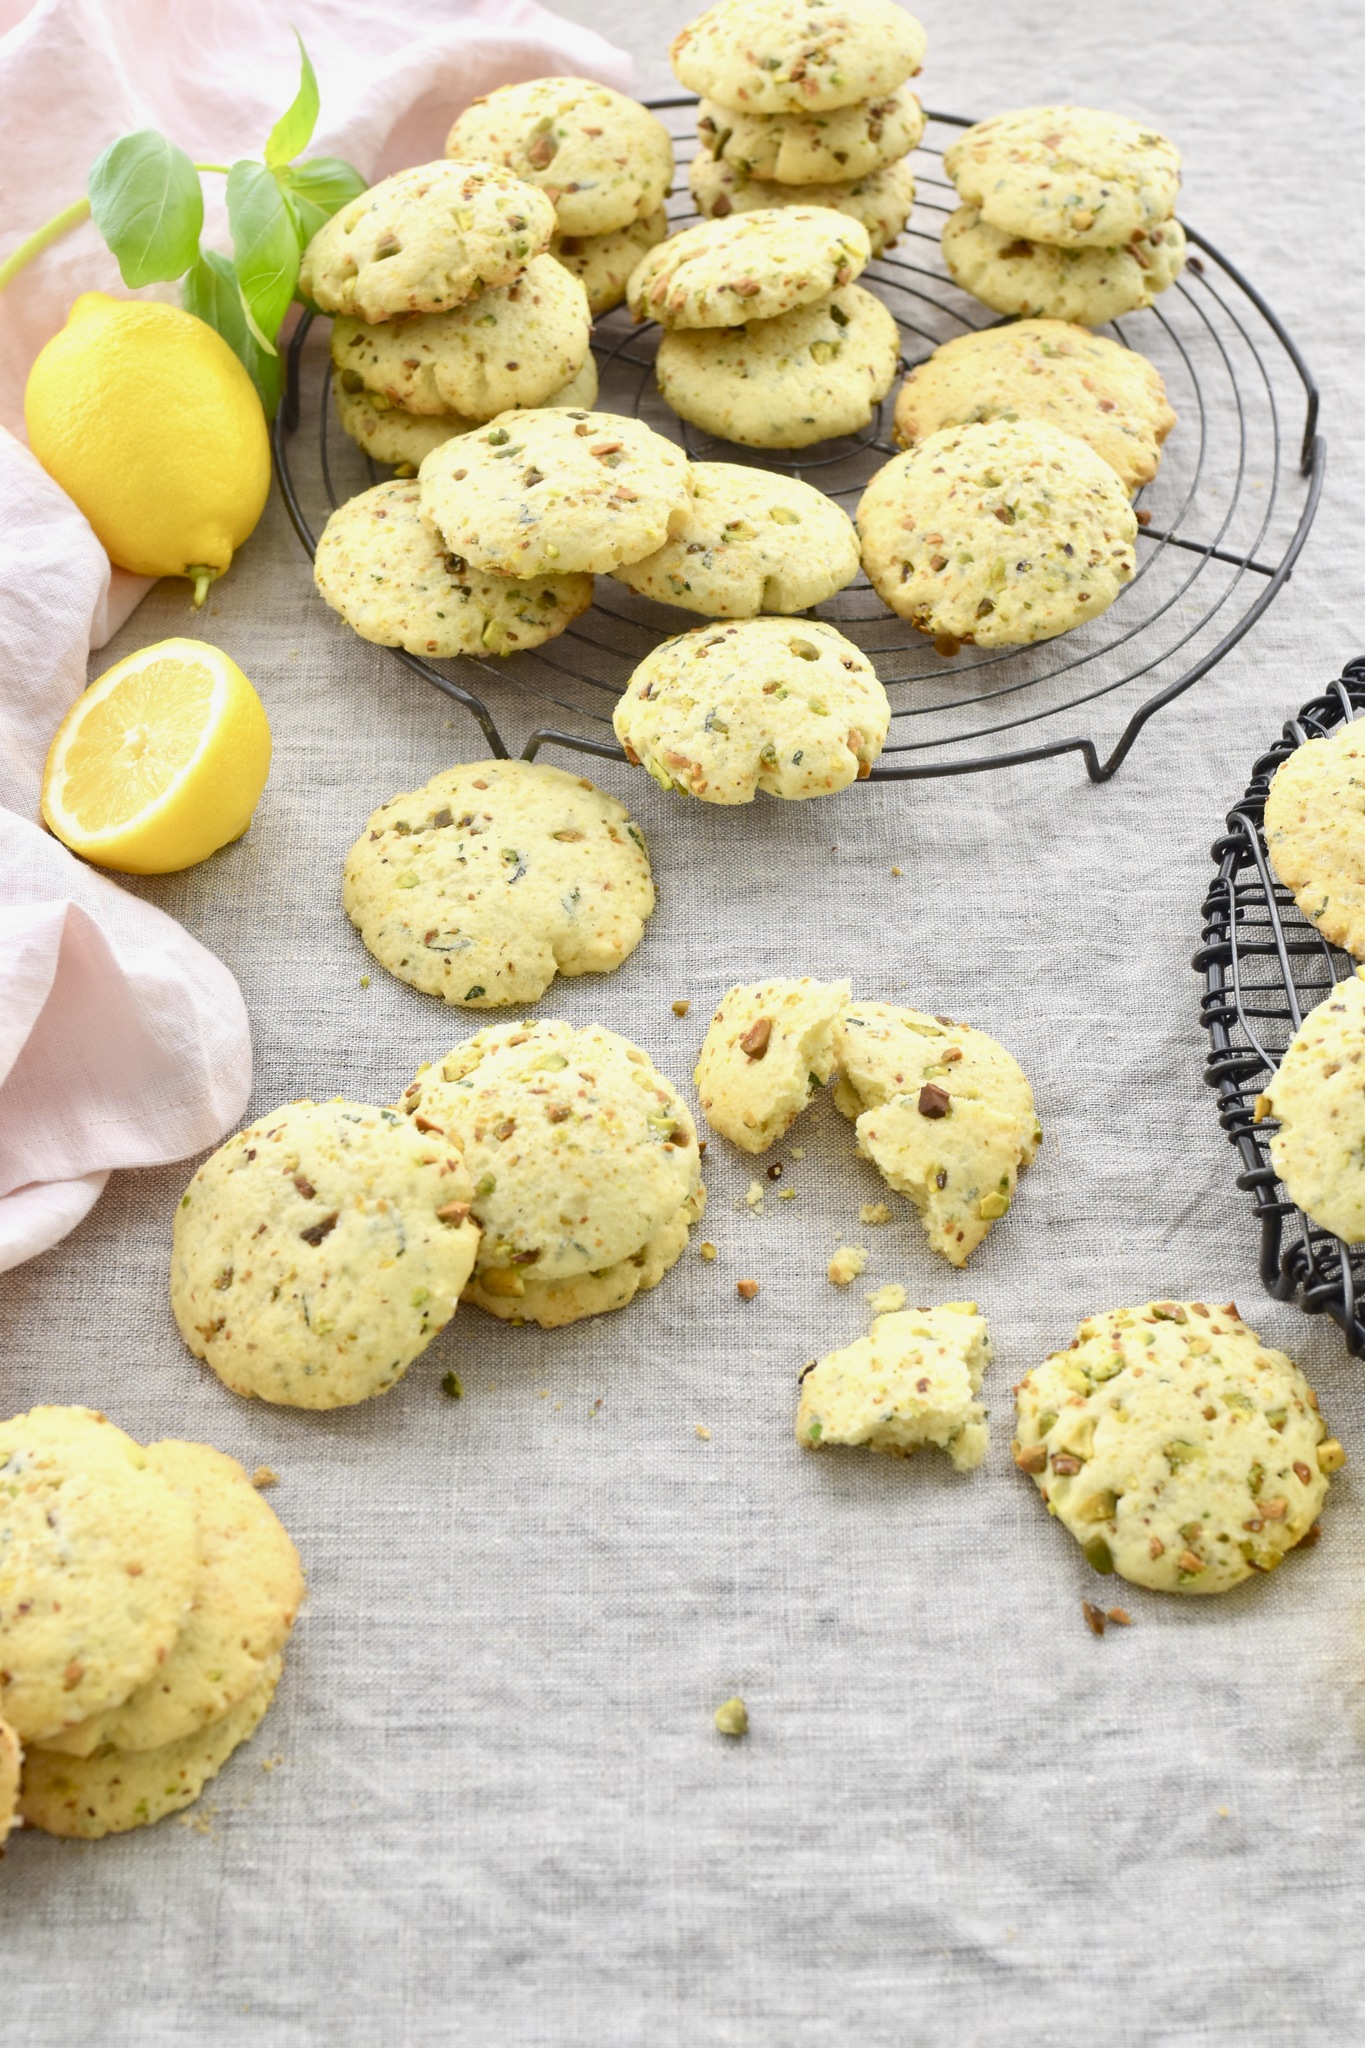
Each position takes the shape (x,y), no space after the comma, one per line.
(145,417)
(160,762)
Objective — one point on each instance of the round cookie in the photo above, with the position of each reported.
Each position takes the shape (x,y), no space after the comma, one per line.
(813,148)
(512,345)
(245,1599)
(754,541)
(1108,396)
(814,374)
(756,266)
(389,434)
(97,1568)
(1319,1149)
(1315,833)
(495,876)
(522,1298)
(549,492)
(787,706)
(999,534)
(792,56)
(424,240)
(1069,176)
(579,1150)
(881,201)
(767,1049)
(1031,279)
(319,1251)
(603,263)
(113,1791)
(602,160)
(385,570)
(11,1763)
(1180,1451)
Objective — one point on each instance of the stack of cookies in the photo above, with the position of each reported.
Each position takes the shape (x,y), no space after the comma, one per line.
(447,308)
(602,160)
(146,1597)
(768,341)
(1067,213)
(805,105)
(493,548)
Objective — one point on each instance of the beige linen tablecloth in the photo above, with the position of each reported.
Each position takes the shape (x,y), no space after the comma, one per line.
(500,1814)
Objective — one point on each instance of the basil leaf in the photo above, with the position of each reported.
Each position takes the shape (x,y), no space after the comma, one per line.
(211,291)
(294,129)
(146,202)
(265,243)
(318,189)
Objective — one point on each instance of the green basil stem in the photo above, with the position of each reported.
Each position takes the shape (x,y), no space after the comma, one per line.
(61,224)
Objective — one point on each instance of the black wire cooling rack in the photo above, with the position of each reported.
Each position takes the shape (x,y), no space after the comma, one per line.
(1222,525)
(1264,968)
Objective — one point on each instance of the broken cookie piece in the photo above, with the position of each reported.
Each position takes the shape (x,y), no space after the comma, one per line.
(768,1048)
(911,1382)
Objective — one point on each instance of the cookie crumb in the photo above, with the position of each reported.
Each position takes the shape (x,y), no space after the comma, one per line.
(798,1151)
(874,1212)
(453,1386)
(263,1476)
(746,1289)
(682,1006)
(888,1300)
(754,1198)
(732,1717)
(847,1263)
(703,1432)
(897,871)
(706,1251)
(787,1195)
(1094,1617)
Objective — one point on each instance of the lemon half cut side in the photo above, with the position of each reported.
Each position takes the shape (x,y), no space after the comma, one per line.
(160,762)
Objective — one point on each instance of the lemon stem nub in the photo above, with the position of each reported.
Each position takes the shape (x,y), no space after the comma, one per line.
(201,577)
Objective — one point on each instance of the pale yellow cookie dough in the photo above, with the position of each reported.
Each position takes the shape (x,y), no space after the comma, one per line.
(495,876)
(1179,1450)
(909,1385)
(767,1049)
(319,1251)
(425,239)
(787,706)
(754,541)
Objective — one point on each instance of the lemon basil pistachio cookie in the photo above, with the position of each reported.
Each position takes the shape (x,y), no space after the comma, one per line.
(813,148)
(245,1598)
(881,201)
(11,1761)
(556,493)
(944,1113)
(394,581)
(1001,533)
(518,1296)
(581,1154)
(602,160)
(766,1051)
(1317,1095)
(1013,275)
(1315,833)
(98,1562)
(483,885)
(909,1385)
(790,707)
(754,541)
(115,1790)
(1179,1450)
(512,345)
(1108,396)
(390,434)
(809,376)
(1068,176)
(320,1250)
(425,239)
(789,56)
(755,266)
(603,263)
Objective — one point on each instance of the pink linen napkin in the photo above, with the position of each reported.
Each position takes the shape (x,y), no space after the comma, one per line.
(123,1042)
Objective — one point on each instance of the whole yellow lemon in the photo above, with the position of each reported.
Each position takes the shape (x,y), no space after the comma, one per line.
(146,418)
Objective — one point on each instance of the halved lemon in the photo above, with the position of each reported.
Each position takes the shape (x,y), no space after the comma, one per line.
(160,762)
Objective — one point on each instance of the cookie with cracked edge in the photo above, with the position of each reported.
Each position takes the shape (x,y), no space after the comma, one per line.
(767,1051)
(750,267)
(600,158)
(792,56)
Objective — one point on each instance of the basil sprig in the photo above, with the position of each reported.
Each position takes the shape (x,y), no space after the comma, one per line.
(147,202)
